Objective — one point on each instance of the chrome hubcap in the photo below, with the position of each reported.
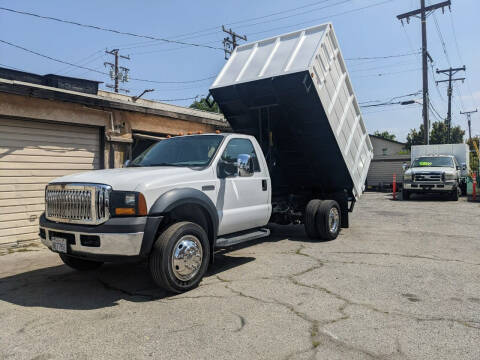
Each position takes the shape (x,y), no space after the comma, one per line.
(333,219)
(187,257)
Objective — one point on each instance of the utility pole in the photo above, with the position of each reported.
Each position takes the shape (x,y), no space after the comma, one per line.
(423,12)
(469,118)
(451,71)
(230,43)
(117,73)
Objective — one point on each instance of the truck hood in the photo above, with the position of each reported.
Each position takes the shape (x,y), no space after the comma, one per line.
(133,178)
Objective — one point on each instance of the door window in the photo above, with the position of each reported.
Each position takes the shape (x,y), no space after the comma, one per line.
(236,147)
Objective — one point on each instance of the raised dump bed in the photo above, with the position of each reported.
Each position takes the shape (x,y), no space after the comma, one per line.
(293,93)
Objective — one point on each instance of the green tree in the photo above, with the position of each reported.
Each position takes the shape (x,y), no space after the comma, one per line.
(438,135)
(385,135)
(474,161)
(202,105)
(415,137)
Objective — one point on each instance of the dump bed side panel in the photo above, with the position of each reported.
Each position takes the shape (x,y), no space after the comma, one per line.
(299,83)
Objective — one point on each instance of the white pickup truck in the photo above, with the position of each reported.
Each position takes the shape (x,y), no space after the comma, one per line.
(300,154)
(440,169)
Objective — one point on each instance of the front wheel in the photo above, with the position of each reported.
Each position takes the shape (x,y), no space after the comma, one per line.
(455,194)
(405,195)
(80,264)
(180,257)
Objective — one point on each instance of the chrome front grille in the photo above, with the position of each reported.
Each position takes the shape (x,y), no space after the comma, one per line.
(430,177)
(77,203)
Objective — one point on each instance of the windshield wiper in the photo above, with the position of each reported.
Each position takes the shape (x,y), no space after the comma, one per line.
(166,164)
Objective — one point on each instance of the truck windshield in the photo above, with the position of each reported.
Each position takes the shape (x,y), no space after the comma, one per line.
(185,151)
(433,161)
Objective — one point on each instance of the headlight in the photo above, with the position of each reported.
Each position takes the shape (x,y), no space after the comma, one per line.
(127,203)
(407,177)
(450,176)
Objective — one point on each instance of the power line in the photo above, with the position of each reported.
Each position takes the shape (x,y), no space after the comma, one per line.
(101,72)
(189,98)
(11,67)
(396,64)
(401,108)
(201,32)
(52,58)
(384,57)
(422,13)
(460,56)
(442,41)
(388,73)
(289,16)
(218,27)
(435,112)
(393,98)
(174,82)
(323,18)
(96,27)
(80,62)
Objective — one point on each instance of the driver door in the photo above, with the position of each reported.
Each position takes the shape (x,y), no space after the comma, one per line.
(243,202)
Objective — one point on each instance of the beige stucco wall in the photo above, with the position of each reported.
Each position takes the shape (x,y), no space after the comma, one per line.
(124,122)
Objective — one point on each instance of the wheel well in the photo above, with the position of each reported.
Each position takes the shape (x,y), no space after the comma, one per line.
(190,212)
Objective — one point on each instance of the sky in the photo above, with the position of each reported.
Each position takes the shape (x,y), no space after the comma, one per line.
(365,29)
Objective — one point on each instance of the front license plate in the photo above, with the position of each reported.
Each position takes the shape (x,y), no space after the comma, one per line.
(59,244)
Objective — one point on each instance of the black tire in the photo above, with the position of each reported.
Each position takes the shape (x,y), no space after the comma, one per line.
(327,208)
(80,264)
(160,261)
(405,195)
(310,221)
(454,195)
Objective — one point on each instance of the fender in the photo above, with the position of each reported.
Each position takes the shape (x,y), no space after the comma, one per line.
(173,198)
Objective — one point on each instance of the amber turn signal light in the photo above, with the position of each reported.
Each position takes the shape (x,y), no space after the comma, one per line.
(142,205)
(124,211)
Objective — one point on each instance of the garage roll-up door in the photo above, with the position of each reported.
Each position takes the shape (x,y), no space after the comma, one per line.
(31,154)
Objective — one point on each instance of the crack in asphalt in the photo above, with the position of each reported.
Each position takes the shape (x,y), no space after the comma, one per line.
(318,334)
(433,258)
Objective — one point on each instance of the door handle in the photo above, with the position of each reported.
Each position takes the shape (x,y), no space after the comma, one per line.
(264,185)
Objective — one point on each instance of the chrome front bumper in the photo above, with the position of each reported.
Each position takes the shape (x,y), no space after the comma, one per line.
(429,186)
(125,244)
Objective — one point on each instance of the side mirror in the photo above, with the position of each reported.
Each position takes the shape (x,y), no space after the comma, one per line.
(458,167)
(405,166)
(244,165)
(126,163)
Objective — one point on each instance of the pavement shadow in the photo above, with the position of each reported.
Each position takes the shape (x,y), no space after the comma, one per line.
(421,197)
(60,287)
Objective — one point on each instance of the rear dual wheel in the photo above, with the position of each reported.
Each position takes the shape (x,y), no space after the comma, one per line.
(322,219)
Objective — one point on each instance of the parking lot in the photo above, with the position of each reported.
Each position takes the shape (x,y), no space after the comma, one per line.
(402,282)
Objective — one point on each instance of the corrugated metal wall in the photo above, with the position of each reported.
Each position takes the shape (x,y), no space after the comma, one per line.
(31,154)
(381,170)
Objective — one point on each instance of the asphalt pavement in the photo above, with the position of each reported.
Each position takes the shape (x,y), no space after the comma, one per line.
(403,282)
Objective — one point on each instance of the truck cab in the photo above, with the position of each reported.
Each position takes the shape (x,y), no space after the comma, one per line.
(433,174)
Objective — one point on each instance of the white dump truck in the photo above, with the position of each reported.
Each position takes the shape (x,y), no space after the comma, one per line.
(440,169)
(299,153)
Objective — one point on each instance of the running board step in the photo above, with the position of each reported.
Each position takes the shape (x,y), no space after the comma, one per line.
(237,238)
